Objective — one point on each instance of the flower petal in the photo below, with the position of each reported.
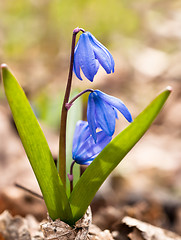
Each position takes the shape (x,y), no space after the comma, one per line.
(102,54)
(76,66)
(105,115)
(116,113)
(86,57)
(117,103)
(91,116)
(83,128)
(102,46)
(89,149)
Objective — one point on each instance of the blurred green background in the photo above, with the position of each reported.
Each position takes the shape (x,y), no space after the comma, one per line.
(35,38)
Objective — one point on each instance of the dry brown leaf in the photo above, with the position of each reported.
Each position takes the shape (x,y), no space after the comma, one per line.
(17,228)
(145,231)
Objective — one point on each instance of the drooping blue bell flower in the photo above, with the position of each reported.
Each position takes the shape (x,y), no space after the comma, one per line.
(84,148)
(89,54)
(102,112)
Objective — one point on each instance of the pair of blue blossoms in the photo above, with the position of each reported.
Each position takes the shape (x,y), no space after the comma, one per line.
(92,136)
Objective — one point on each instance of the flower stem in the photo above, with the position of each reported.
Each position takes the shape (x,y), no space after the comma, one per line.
(71,176)
(62,139)
(69,104)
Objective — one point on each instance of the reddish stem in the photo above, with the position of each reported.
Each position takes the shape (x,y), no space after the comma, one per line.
(62,139)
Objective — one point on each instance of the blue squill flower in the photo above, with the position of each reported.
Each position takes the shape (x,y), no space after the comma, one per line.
(102,112)
(89,54)
(84,148)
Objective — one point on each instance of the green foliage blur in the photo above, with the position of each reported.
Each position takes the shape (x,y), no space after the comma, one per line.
(27,25)
(30,26)
(35,36)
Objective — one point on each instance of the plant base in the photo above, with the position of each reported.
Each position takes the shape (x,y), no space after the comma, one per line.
(60,230)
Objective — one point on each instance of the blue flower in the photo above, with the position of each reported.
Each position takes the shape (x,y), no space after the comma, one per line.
(89,54)
(84,148)
(102,112)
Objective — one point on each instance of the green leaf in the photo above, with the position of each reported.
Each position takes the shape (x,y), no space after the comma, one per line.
(37,149)
(110,157)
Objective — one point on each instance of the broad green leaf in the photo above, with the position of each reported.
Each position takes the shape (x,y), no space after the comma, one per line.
(74,114)
(110,157)
(37,149)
